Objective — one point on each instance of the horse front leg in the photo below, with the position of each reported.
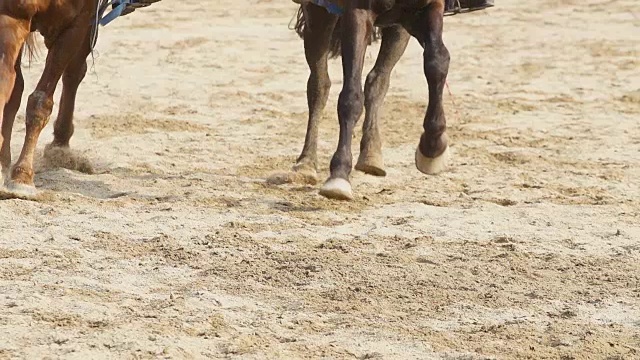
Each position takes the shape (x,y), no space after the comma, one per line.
(8,117)
(13,33)
(357,27)
(432,152)
(40,104)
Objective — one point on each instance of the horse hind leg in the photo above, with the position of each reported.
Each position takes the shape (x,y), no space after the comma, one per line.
(317,37)
(13,33)
(73,75)
(317,43)
(58,153)
(394,43)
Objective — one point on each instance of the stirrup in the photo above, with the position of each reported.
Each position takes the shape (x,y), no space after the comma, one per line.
(132,5)
(124,7)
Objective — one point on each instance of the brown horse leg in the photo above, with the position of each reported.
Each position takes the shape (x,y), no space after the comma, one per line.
(356,27)
(431,154)
(40,105)
(317,41)
(394,43)
(71,79)
(10,112)
(13,33)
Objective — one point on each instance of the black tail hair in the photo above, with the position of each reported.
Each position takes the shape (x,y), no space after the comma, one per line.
(336,37)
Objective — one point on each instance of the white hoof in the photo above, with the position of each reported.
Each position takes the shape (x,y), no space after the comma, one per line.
(338,189)
(22,191)
(432,166)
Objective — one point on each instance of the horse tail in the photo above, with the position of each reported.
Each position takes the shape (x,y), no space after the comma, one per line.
(30,47)
(336,41)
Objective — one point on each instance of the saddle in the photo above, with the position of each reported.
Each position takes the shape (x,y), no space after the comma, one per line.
(451,7)
(335,7)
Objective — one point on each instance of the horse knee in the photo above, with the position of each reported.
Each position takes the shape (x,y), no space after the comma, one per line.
(324,82)
(436,60)
(39,108)
(350,104)
(376,84)
(373,79)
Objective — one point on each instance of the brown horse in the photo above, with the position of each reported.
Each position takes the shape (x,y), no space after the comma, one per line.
(326,34)
(69,28)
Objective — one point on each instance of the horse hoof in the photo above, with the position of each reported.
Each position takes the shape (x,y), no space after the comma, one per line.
(371,165)
(307,172)
(300,174)
(432,166)
(292,177)
(371,169)
(338,189)
(63,157)
(370,162)
(17,190)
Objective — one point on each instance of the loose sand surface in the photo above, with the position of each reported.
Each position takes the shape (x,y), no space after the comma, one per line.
(528,247)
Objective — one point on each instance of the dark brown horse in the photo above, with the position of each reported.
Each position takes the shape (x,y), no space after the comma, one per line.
(69,28)
(326,34)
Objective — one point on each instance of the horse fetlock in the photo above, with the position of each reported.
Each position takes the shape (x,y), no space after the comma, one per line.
(432,145)
(22,175)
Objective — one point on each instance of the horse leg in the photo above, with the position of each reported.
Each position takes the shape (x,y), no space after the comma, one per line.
(13,33)
(356,28)
(40,104)
(317,42)
(394,43)
(432,152)
(9,116)
(71,79)
(57,154)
